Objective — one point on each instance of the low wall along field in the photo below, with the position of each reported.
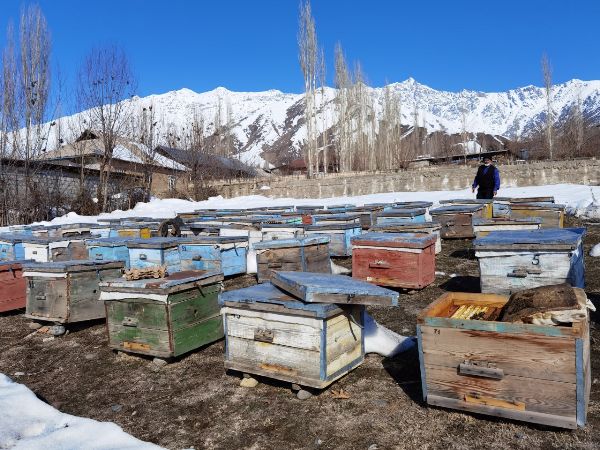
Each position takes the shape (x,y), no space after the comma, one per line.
(436,178)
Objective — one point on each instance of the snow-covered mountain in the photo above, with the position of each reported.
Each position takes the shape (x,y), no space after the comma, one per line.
(272,119)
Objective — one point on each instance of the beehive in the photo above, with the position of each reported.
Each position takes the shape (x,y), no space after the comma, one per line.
(307,254)
(456,220)
(272,231)
(214,253)
(154,252)
(46,249)
(419,228)
(533,373)
(67,291)
(13,288)
(401,215)
(487,205)
(339,235)
(273,334)
(367,215)
(11,247)
(130,231)
(404,260)
(552,215)
(252,233)
(108,249)
(166,317)
(510,261)
(482,227)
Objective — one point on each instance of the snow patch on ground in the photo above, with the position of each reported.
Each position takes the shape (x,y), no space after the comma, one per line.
(26,423)
(595,251)
(383,341)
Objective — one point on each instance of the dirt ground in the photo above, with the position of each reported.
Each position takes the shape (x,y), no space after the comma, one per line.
(193,402)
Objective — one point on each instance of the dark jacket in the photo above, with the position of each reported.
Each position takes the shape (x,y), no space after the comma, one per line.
(487,178)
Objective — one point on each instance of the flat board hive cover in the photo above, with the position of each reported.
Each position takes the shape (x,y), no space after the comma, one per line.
(410,227)
(168,285)
(525,199)
(416,204)
(325,288)
(466,201)
(539,205)
(70,266)
(156,243)
(549,238)
(397,240)
(402,212)
(480,221)
(456,209)
(107,242)
(212,240)
(332,226)
(264,296)
(285,243)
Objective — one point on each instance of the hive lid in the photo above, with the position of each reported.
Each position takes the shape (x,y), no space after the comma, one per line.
(6,265)
(326,288)
(396,240)
(507,221)
(336,216)
(130,226)
(293,225)
(71,266)
(267,297)
(525,199)
(403,212)
(324,226)
(309,207)
(178,281)
(13,238)
(212,240)
(538,205)
(46,240)
(466,201)
(155,242)
(415,204)
(298,242)
(456,209)
(107,242)
(545,238)
(408,227)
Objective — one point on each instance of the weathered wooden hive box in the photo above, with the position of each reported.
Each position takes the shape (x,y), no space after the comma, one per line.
(552,215)
(501,207)
(166,317)
(11,247)
(414,204)
(404,260)
(401,215)
(520,371)
(339,235)
(272,231)
(252,233)
(67,291)
(108,249)
(13,288)
(510,261)
(130,231)
(419,228)
(336,219)
(327,288)
(487,206)
(483,227)
(456,220)
(48,249)
(307,254)
(383,205)
(214,253)
(273,334)
(154,252)
(367,215)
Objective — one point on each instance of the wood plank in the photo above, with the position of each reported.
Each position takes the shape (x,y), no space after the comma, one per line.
(543,396)
(149,341)
(343,343)
(525,355)
(282,375)
(197,335)
(526,416)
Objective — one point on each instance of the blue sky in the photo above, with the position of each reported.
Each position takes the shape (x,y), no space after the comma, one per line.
(251,45)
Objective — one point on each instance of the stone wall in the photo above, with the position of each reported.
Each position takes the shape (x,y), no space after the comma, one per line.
(437,178)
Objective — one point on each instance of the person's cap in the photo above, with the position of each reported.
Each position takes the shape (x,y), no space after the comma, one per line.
(487,158)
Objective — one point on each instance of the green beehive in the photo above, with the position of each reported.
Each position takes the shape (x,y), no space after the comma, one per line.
(164,317)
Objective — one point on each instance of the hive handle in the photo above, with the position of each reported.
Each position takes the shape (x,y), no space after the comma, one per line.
(480,369)
(379,264)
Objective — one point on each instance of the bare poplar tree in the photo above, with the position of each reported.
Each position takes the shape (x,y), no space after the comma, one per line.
(547,74)
(343,84)
(308,55)
(146,128)
(324,135)
(105,83)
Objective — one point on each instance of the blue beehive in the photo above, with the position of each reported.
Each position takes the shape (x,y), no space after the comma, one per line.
(336,218)
(108,249)
(11,247)
(225,254)
(153,252)
(510,261)
(401,215)
(339,235)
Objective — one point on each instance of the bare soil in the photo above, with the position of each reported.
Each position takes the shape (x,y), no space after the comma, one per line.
(194,402)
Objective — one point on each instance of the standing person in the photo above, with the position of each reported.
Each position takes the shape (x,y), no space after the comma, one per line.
(487,179)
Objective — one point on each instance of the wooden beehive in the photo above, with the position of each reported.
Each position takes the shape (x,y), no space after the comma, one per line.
(336,218)
(456,220)
(552,215)
(483,227)
(13,288)
(307,254)
(401,215)
(339,235)
(154,252)
(166,317)
(108,249)
(130,231)
(510,261)
(404,260)
(272,231)
(214,253)
(67,291)
(419,228)
(328,288)
(273,334)
(252,233)
(367,215)
(487,205)
(533,373)
(414,204)
(501,207)
(47,249)
(11,246)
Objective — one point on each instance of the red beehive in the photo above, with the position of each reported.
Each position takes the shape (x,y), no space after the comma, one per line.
(12,286)
(404,260)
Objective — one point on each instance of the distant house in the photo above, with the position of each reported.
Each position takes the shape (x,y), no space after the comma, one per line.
(129,158)
(215,166)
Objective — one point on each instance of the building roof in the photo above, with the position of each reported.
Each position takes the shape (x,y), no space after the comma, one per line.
(188,159)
